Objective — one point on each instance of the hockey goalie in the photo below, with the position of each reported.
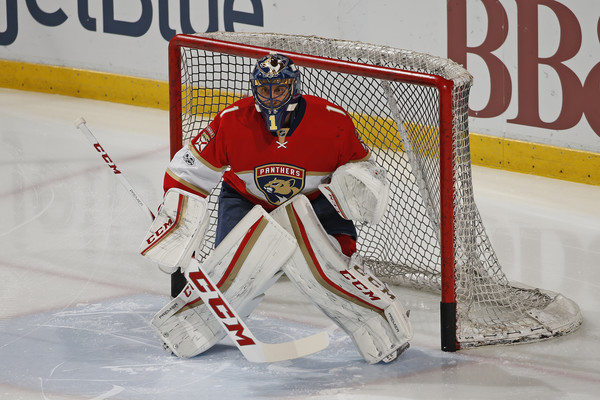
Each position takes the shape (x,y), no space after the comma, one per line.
(295,178)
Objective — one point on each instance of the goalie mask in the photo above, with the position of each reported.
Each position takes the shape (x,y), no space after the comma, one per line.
(276,88)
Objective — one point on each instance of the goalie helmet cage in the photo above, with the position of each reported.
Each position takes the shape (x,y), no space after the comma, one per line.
(411,110)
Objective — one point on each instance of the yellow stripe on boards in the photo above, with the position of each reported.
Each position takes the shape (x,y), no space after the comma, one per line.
(536,159)
(83,83)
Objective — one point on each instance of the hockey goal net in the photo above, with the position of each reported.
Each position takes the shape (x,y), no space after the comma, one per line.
(411,110)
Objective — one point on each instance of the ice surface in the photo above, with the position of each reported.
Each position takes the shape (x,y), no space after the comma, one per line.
(76,298)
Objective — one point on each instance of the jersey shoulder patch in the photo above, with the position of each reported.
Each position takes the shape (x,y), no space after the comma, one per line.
(201,140)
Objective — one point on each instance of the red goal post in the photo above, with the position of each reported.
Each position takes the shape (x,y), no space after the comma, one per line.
(420,136)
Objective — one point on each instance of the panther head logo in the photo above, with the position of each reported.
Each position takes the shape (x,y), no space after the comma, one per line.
(273,65)
(282,187)
(279,182)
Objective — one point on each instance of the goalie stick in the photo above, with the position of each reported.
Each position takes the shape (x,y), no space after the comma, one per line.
(80,124)
(253,349)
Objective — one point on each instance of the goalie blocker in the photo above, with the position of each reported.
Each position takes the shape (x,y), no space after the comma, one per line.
(177,230)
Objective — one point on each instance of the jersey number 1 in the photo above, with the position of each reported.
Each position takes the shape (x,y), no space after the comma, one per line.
(272,121)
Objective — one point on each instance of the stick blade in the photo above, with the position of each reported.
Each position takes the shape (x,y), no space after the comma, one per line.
(268,352)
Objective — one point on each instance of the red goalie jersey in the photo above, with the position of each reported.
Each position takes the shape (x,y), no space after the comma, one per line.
(268,169)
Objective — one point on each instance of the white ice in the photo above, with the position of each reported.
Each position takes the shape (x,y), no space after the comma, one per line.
(76,298)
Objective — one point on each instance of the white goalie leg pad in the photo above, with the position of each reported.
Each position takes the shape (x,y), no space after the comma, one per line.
(177,230)
(185,331)
(244,265)
(352,297)
(188,328)
(394,313)
(359,191)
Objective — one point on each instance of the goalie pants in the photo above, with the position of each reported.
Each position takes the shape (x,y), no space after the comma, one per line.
(233,207)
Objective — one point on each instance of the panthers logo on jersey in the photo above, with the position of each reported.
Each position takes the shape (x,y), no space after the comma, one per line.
(279,182)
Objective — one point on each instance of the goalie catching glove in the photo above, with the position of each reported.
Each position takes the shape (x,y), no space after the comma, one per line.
(177,230)
(358,191)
